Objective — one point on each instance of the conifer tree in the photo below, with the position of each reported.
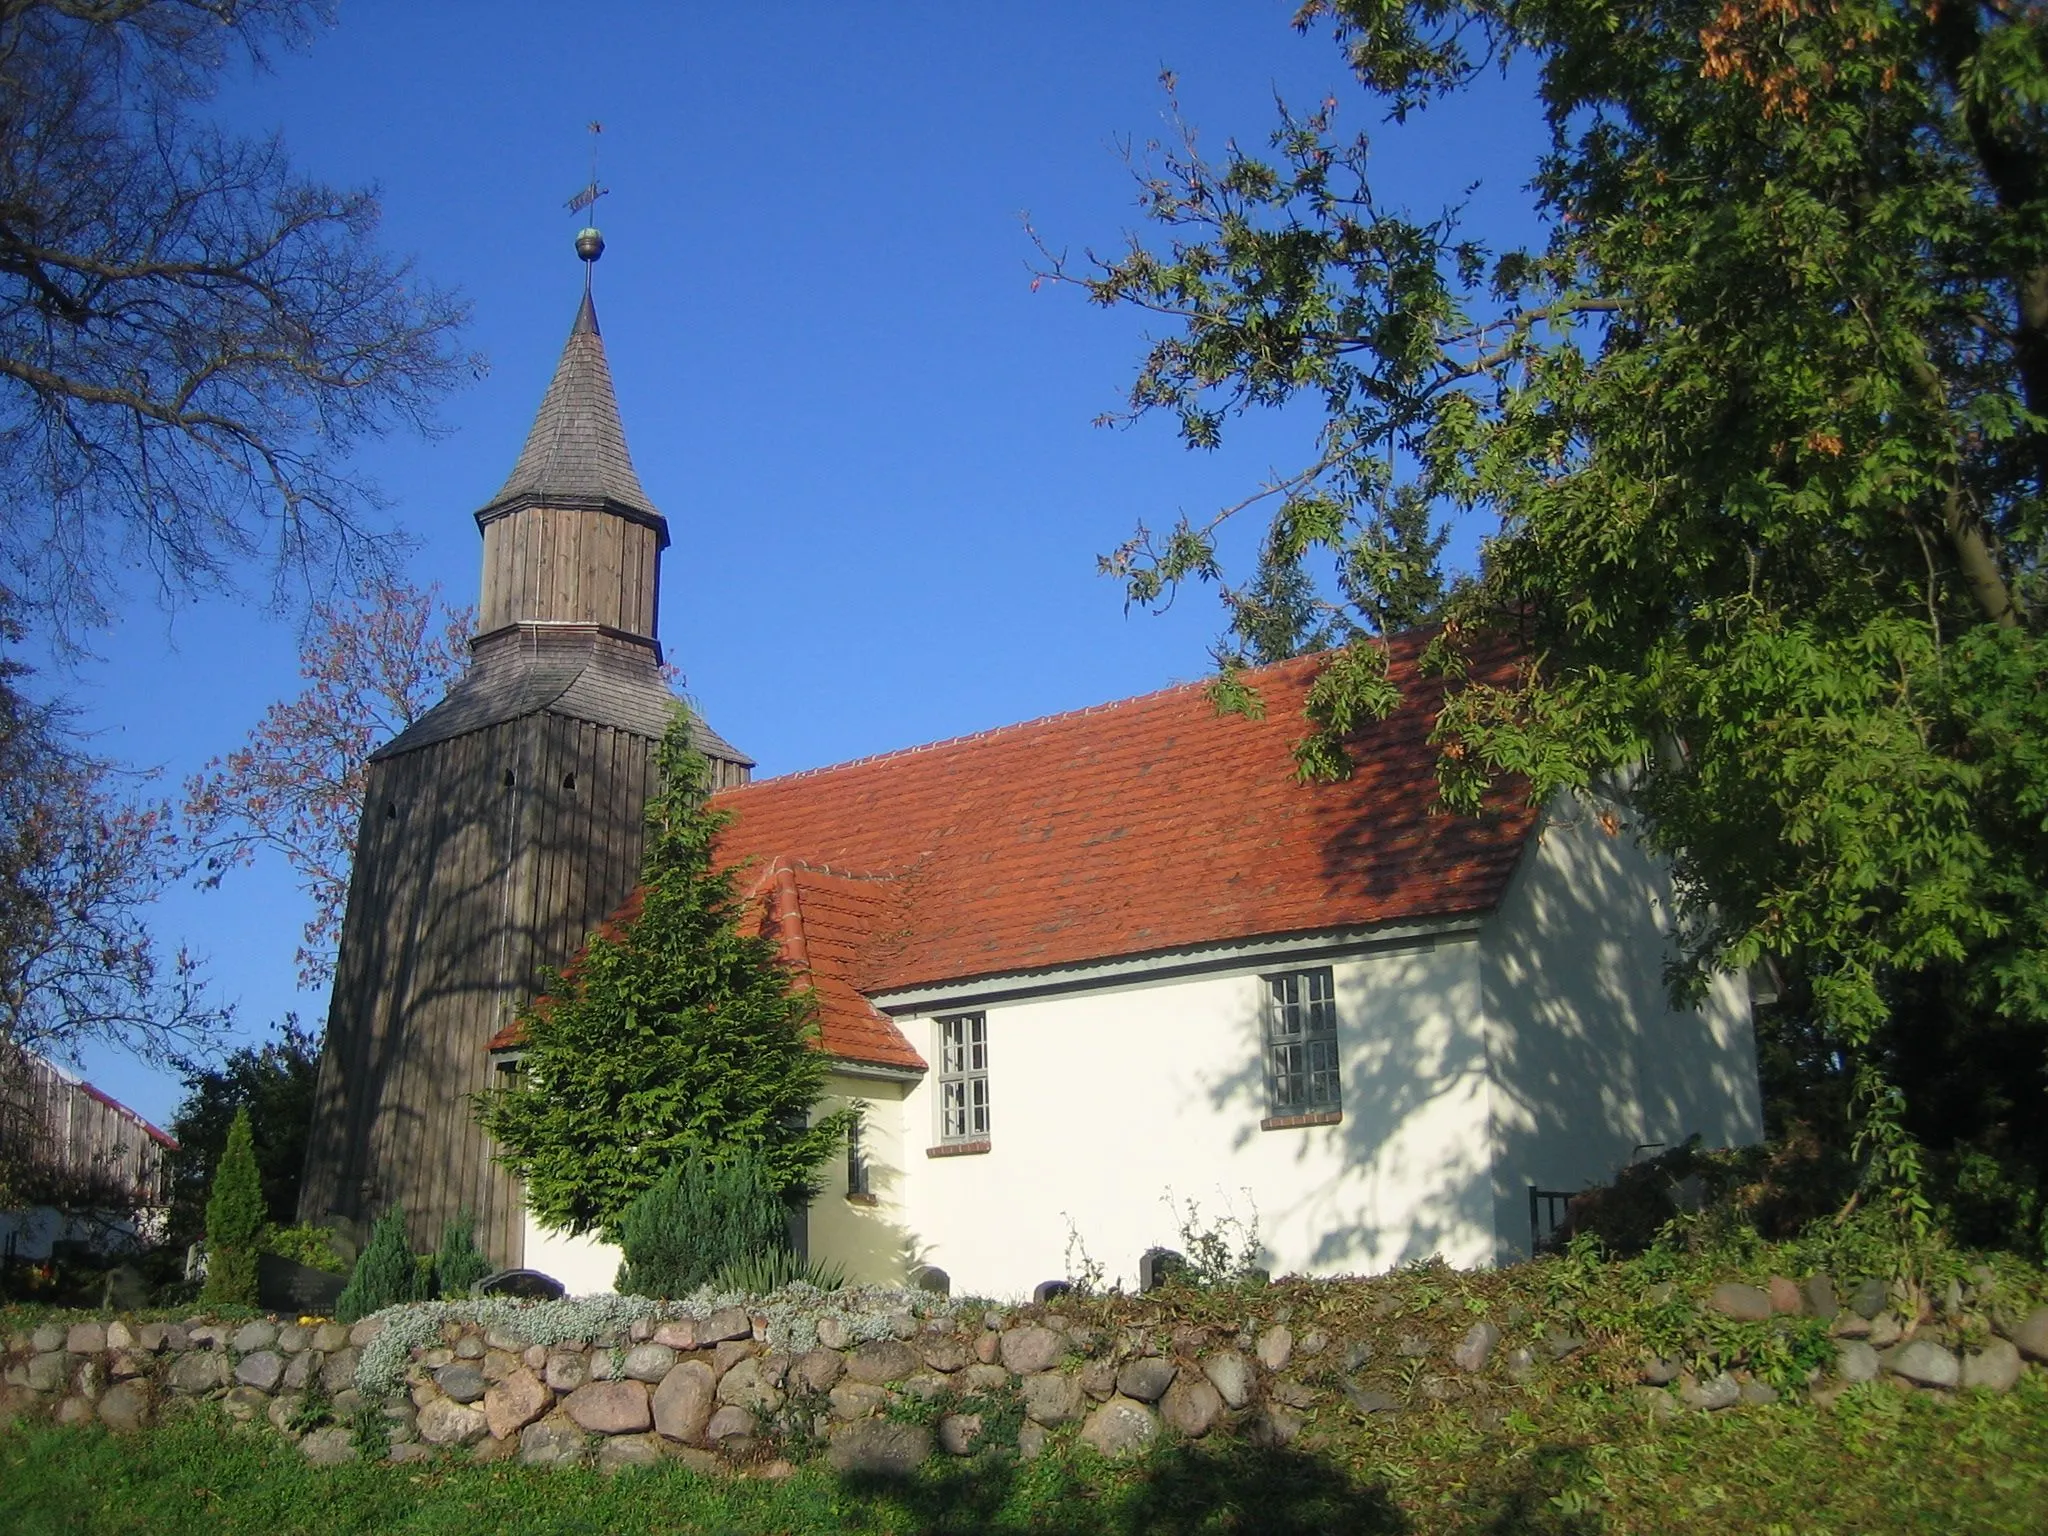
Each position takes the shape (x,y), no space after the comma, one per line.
(698,1219)
(459,1264)
(672,1032)
(387,1273)
(234,1221)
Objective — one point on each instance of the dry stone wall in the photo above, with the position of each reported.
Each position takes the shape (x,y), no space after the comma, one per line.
(880,1382)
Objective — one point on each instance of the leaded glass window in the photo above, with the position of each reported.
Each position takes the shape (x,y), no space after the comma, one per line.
(963,1078)
(1302,1076)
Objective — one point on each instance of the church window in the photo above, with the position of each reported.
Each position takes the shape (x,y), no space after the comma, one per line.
(963,1078)
(1303,1082)
(856,1166)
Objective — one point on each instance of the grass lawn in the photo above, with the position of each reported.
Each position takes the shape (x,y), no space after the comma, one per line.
(1586,1462)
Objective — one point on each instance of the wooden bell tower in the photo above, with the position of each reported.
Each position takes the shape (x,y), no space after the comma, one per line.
(504,824)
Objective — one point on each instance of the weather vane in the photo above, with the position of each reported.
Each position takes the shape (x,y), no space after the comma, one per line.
(589,243)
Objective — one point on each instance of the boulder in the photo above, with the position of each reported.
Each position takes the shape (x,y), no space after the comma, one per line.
(1868,1299)
(1231,1375)
(500,1363)
(1660,1372)
(1051,1397)
(1996,1367)
(611,1407)
(1191,1406)
(858,1400)
(149,1337)
(328,1447)
(745,1385)
(731,1422)
(1274,1428)
(46,1372)
(2030,1338)
(625,1453)
(47,1339)
(1856,1361)
(1786,1300)
(1744,1303)
(1121,1427)
(1098,1379)
(251,1337)
(405,1452)
(649,1362)
(1276,1347)
(554,1441)
(1364,1399)
(85,1338)
(1711,1395)
(683,1403)
(1031,1349)
(567,1369)
(1032,1440)
(462,1381)
(1758,1394)
(727,1323)
(1146,1380)
(980,1378)
(1924,1363)
(729,1354)
(74,1411)
(338,1370)
(283,1414)
(447,1422)
(302,1370)
(1820,1296)
(833,1333)
(263,1370)
(363,1334)
(947,1355)
(329,1337)
(680,1333)
(1476,1348)
(125,1407)
(515,1402)
(884,1360)
(293,1337)
(200,1371)
(960,1433)
(819,1369)
(879,1448)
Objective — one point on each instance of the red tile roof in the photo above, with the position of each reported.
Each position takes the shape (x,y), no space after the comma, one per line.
(1145,825)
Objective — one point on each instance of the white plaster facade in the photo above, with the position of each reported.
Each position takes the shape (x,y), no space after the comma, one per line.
(1535,1045)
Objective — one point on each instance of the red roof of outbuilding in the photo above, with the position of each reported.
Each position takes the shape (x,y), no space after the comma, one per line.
(1150,824)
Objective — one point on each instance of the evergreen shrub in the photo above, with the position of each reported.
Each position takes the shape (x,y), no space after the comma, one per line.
(459,1264)
(387,1273)
(702,1217)
(235,1216)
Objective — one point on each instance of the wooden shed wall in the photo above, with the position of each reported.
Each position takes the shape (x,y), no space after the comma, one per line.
(481,859)
(52,1122)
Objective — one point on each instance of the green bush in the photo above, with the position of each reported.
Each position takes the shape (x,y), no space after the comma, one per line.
(234,1221)
(771,1271)
(387,1273)
(459,1264)
(307,1243)
(703,1216)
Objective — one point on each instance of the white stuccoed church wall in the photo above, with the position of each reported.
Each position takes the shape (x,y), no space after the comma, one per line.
(1590,1061)
(1103,1102)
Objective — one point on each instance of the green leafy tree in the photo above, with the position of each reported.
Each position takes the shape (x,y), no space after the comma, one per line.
(234,1221)
(272,1084)
(702,1219)
(459,1263)
(674,1031)
(387,1272)
(1759,429)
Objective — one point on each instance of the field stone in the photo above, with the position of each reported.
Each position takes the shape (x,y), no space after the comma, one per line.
(328,1447)
(282,1411)
(1051,1397)
(512,1404)
(46,1372)
(1856,1361)
(1276,1347)
(1476,1348)
(1819,1292)
(623,1453)
(1364,1399)
(1146,1380)
(649,1362)
(744,1385)
(1995,1368)
(1411,1346)
(819,1369)
(1313,1343)
(1121,1427)
(469,1347)
(554,1441)
(1868,1299)
(291,1338)
(887,1360)
(1786,1299)
(1758,1394)
(683,1402)
(879,1448)
(262,1370)
(1231,1375)
(1098,1379)
(678,1334)
(858,1400)
(1031,1349)
(1191,1406)
(447,1422)
(201,1371)
(947,1355)
(461,1381)
(2030,1338)
(732,1422)
(74,1411)
(329,1337)
(959,1433)
(338,1370)
(610,1407)
(1711,1395)
(1520,1364)
(1925,1363)
(730,1353)
(833,1333)
(251,1337)
(567,1370)
(500,1363)
(85,1338)
(404,1452)
(150,1337)
(1274,1428)
(127,1364)
(125,1407)
(47,1339)
(1744,1303)
(983,1378)
(1562,1345)
(346,1404)
(726,1323)
(1032,1439)
(1885,1330)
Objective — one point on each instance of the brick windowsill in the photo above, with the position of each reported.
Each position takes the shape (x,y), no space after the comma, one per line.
(1294,1122)
(957,1149)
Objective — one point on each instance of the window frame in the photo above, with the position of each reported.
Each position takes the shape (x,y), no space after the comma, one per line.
(1305,1085)
(859,1173)
(963,1066)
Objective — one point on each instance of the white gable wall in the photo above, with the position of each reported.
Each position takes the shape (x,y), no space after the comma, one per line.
(1589,1059)
(1102,1101)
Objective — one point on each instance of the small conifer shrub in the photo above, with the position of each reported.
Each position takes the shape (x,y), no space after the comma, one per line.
(235,1215)
(703,1217)
(459,1264)
(387,1273)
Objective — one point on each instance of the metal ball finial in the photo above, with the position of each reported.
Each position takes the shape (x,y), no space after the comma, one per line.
(589,243)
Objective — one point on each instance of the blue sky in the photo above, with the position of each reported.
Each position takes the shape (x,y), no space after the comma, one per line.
(871,437)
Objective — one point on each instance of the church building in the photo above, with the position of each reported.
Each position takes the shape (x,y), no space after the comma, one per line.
(1082,974)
